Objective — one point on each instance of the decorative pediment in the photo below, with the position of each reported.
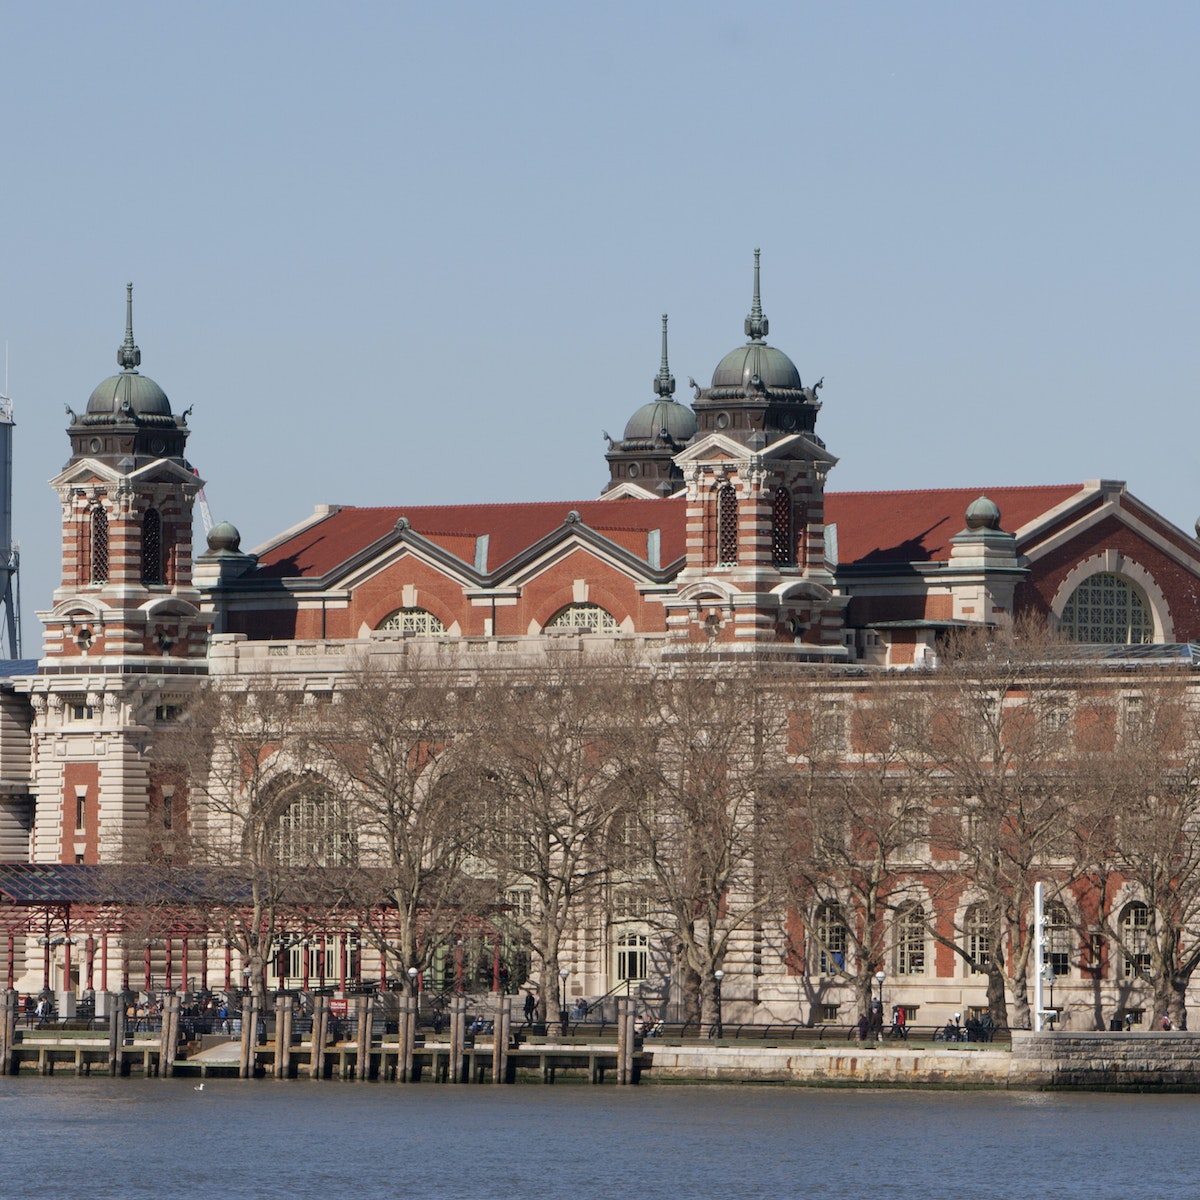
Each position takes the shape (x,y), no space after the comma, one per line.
(88,472)
(722,447)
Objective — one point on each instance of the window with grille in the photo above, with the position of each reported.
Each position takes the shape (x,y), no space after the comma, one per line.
(631,955)
(590,618)
(727,526)
(1135,939)
(414,621)
(979,940)
(314,829)
(831,940)
(99,546)
(910,941)
(1058,939)
(783,543)
(152,559)
(1108,608)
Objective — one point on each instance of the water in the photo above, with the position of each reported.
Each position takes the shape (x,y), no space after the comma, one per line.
(134,1138)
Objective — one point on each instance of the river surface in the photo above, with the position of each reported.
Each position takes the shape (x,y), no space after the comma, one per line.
(133,1138)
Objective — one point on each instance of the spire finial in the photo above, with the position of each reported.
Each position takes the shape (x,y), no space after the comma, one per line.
(664,381)
(129,357)
(756,323)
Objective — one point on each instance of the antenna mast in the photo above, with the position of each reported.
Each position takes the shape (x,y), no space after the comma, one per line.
(10,629)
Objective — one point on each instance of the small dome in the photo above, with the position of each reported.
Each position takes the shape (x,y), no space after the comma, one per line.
(757,364)
(224,537)
(983,514)
(129,392)
(677,420)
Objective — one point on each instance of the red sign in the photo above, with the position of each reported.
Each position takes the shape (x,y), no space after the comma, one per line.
(339,1008)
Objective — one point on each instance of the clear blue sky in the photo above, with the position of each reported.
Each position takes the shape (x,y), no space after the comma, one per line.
(398,252)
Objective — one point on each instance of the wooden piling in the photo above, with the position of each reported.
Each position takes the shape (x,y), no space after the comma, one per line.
(406,1051)
(169,1037)
(116,1032)
(501,1026)
(249,1036)
(366,1031)
(458,1037)
(320,1028)
(8,1029)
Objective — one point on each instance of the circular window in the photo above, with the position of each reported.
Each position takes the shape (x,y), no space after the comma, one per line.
(722,420)
(94,445)
(634,472)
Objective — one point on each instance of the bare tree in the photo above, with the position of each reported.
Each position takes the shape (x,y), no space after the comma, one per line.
(393,744)
(548,760)
(998,730)
(235,750)
(859,825)
(1146,789)
(706,776)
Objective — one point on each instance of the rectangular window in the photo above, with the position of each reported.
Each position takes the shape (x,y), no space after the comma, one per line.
(167,712)
(829,1012)
(82,712)
(80,811)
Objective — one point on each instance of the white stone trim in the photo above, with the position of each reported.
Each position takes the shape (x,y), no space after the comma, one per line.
(1116,563)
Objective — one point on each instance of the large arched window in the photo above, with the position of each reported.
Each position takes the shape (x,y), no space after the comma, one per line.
(152,556)
(414,621)
(590,618)
(910,940)
(1135,939)
(99,546)
(830,931)
(1107,608)
(727,526)
(783,543)
(313,826)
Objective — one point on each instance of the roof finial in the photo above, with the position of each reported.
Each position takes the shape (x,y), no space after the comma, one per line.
(756,323)
(129,356)
(664,382)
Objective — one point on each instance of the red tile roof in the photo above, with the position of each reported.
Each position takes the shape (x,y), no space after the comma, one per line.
(873,527)
(510,529)
(895,527)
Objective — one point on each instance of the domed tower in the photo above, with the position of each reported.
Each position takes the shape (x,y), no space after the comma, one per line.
(756,395)
(643,460)
(756,576)
(125,641)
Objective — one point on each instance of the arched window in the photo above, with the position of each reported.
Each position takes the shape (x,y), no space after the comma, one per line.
(830,929)
(590,618)
(99,545)
(910,940)
(727,526)
(783,544)
(152,556)
(414,621)
(1108,608)
(1135,939)
(631,957)
(313,828)
(979,940)
(1058,939)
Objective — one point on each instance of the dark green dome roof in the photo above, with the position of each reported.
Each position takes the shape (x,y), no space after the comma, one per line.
(676,420)
(756,364)
(129,392)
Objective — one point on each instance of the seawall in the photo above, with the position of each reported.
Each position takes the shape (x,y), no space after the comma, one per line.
(1085,1061)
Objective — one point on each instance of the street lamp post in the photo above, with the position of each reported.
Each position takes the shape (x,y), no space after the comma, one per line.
(1048,975)
(718,976)
(563,1014)
(412,980)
